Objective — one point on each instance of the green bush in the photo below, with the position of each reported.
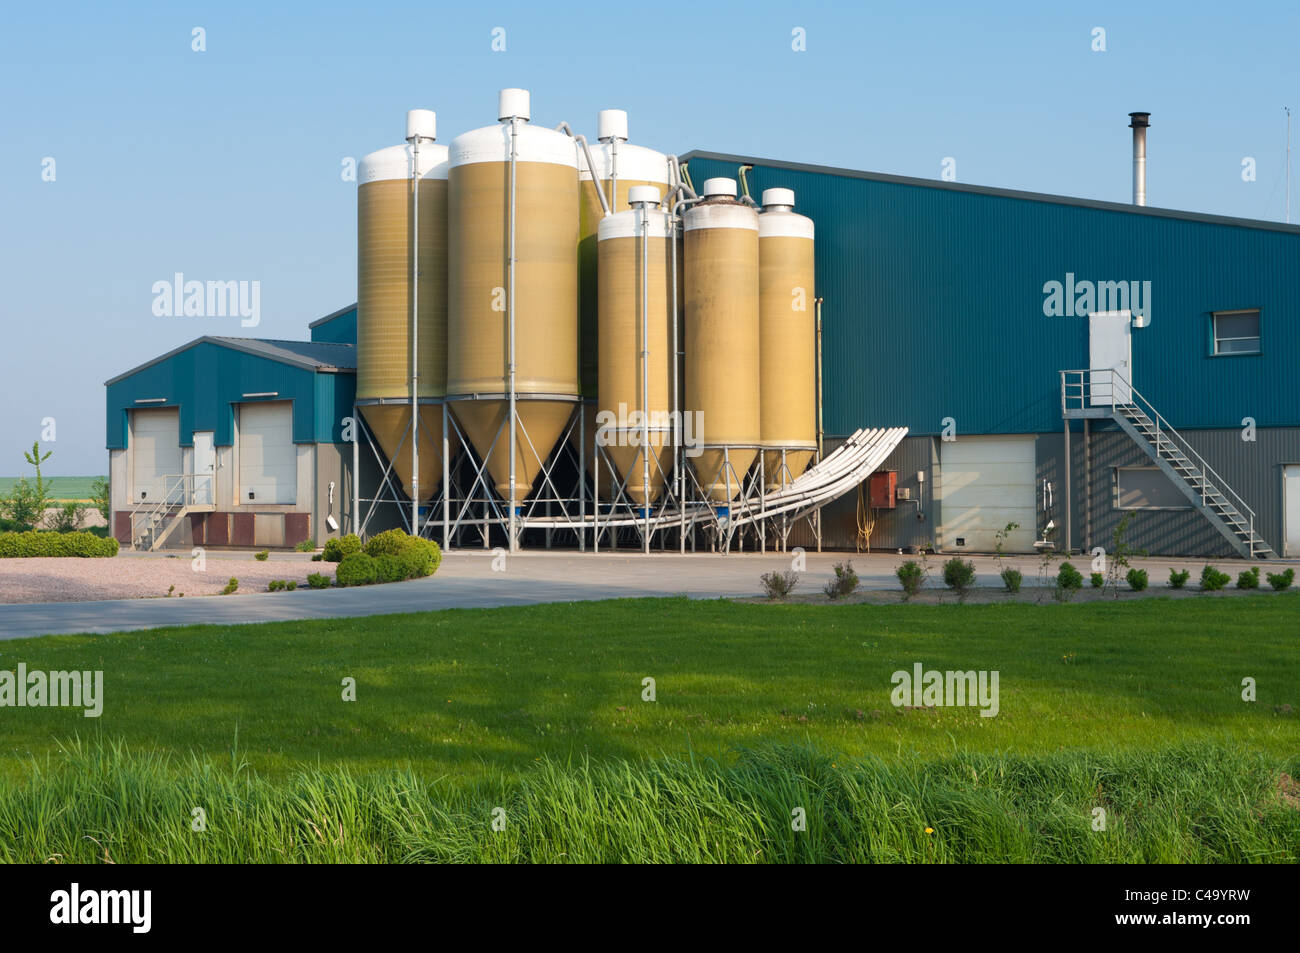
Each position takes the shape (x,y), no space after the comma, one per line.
(1011,579)
(318,580)
(101,498)
(31,543)
(910,576)
(1178,579)
(1281,580)
(341,546)
(421,556)
(357,569)
(275,585)
(67,518)
(1068,580)
(1212,580)
(291,585)
(391,568)
(1137,579)
(844,583)
(390,542)
(231,586)
(1097,579)
(262,556)
(958,574)
(1249,579)
(778,585)
(306,546)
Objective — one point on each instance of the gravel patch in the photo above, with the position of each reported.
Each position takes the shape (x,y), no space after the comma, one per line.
(146,575)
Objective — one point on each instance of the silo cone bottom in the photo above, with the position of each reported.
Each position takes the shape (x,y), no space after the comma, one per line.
(628,460)
(544,421)
(713,478)
(796,461)
(391,425)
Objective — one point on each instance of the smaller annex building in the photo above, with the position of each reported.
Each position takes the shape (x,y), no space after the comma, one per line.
(229,441)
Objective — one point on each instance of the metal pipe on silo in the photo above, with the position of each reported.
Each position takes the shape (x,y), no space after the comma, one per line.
(419,126)
(510,299)
(1139,122)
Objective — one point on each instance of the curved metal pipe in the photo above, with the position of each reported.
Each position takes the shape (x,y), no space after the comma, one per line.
(591,165)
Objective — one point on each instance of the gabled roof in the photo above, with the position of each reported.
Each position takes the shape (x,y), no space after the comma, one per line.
(990,190)
(336,314)
(327,358)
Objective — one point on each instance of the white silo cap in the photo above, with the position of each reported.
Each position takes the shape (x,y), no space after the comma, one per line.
(778,197)
(719,187)
(514,104)
(643,193)
(611,124)
(421,124)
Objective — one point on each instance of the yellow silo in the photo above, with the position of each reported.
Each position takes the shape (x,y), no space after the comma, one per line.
(787,338)
(545,289)
(385,210)
(635,335)
(619,166)
(722,336)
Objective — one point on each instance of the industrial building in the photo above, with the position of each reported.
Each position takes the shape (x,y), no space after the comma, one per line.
(957,359)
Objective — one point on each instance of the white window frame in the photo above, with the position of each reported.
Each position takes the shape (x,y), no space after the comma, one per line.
(1214,332)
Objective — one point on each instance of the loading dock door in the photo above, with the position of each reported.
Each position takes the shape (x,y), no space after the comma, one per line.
(1291,493)
(205,467)
(986,483)
(1110,347)
(155,452)
(268,459)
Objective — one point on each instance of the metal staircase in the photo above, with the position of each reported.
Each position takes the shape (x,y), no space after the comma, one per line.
(152,526)
(1105,393)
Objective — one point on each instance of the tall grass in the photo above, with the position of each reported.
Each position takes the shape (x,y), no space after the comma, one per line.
(100,802)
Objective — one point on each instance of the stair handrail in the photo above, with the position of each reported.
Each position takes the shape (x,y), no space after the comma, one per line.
(177,491)
(1088,377)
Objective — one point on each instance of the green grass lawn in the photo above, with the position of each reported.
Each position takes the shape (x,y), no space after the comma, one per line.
(59,487)
(478,695)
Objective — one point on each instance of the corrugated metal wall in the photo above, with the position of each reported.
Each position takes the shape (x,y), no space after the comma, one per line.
(934,304)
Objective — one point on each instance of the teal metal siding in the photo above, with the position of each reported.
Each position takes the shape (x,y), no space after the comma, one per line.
(934,303)
(340,329)
(204,382)
(334,396)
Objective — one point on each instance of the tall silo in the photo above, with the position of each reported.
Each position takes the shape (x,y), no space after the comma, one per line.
(386,339)
(513,192)
(619,167)
(787,338)
(722,335)
(636,344)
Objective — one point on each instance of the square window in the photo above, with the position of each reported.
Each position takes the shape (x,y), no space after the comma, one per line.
(1236,332)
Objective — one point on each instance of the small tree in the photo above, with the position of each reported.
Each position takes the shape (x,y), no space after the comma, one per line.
(26,503)
(101,498)
(1117,565)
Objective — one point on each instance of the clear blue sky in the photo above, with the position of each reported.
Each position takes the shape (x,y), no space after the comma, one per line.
(225,164)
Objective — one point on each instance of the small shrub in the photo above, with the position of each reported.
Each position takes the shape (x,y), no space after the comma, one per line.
(1097,579)
(1137,579)
(390,542)
(1212,580)
(1249,579)
(262,556)
(101,498)
(67,518)
(357,569)
(910,576)
(291,585)
(318,557)
(306,546)
(32,543)
(1281,580)
(171,589)
(844,583)
(391,568)
(275,585)
(230,586)
(778,585)
(1068,581)
(318,580)
(341,546)
(1178,579)
(1011,579)
(958,574)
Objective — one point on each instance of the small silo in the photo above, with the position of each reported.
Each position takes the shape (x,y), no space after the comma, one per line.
(619,167)
(537,216)
(722,335)
(787,338)
(386,339)
(635,334)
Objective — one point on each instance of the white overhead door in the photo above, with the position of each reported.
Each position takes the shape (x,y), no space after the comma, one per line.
(1291,501)
(986,483)
(155,452)
(268,460)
